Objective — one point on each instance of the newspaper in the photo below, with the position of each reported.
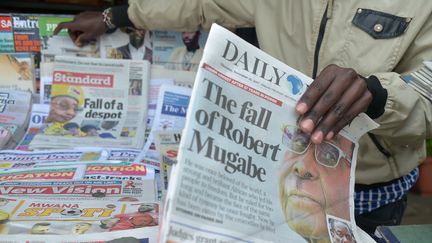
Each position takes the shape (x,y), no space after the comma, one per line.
(38,117)
(17,71)
(138,235)
(178,50)
(96,101)
(14,116)
(6,34)
(61,44)
(181,78)
(245,172)
(161,76)
(74,219)
(11,159)
(127,43)
(167,143)
(421,80)
(25,32)
(67,189)
(170,114)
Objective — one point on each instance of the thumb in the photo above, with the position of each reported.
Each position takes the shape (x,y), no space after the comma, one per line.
(83,39)
(62,25)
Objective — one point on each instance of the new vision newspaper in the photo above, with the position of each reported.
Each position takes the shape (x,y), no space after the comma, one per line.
(245,173)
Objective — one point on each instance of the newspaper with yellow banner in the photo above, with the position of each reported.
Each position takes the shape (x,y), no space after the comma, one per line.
(96,101)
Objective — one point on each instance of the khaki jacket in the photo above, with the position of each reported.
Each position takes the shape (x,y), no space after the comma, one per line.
(289,30)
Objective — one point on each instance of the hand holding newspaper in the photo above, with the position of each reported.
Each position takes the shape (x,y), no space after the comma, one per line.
(245,172)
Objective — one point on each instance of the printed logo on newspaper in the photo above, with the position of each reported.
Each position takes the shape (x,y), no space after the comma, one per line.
(4,101)
(84,79)
(24,22)
(5,23)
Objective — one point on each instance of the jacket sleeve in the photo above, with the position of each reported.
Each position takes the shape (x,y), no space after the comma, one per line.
(407,117)
(190,15)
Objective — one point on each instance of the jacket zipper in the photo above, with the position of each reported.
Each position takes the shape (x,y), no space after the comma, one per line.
(327,15)
(319,42)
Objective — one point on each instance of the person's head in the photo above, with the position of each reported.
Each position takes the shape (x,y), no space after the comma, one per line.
(40,228)
(72,127)
(3,201)
(340,232)
(314,181)
(90,130)
(108,223)
(191,40)
(136,36)
(142,219)
(107,124)
(146,207)
(66,101)
(81,228)
(135,83)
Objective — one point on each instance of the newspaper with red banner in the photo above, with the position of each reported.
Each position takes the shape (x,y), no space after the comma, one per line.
(40,220)
(6,34)
(245,171)
(96,101)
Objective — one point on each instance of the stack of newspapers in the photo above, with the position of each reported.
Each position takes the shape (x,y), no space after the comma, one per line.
(421,80)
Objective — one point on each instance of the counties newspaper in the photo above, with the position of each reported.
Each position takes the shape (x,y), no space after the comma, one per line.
(245,173)
(96,101)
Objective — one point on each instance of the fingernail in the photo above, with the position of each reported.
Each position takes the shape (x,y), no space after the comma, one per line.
(301,108)
(317,137)
(330,135)
(307,125)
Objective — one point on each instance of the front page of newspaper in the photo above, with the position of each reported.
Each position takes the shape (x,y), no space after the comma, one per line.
(245,172)
(170,114)
(40,220)
(96,101)
(17,71)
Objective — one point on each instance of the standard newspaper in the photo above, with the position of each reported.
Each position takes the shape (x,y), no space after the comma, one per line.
(245,172)
(96,101)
